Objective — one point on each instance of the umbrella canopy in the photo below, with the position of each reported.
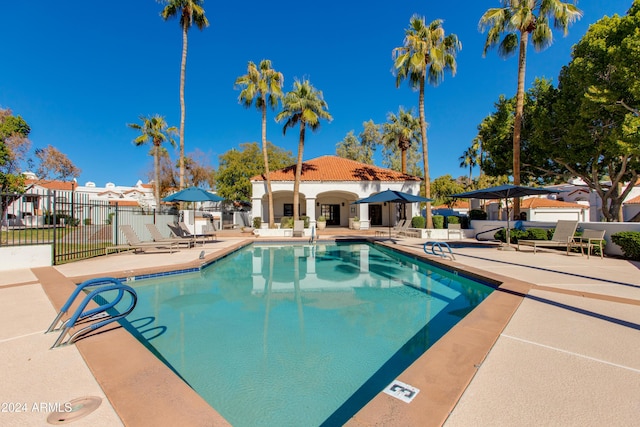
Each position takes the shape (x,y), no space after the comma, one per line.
(506,191)
(503,192)
(392,196)
(193,194)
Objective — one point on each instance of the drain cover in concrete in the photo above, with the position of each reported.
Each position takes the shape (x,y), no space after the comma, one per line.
(74,410)
(402,391)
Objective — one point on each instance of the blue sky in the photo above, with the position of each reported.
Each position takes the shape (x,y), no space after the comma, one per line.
(79,71)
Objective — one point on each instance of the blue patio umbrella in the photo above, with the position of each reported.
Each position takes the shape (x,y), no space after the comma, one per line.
(193,194)
(392,196)
(506,191)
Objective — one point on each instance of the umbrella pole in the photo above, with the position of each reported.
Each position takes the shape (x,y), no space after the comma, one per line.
(508,246)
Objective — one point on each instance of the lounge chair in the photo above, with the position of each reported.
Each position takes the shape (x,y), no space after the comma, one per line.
(589,239)
(137,245)
(203,238)
(454,229)
(157,236)
(562,236)
(298,228)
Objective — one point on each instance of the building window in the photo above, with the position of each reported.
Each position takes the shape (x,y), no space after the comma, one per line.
(288,209)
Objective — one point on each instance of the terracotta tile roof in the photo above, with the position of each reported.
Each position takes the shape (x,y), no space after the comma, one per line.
(460,204)
(334,168)
(634,201)
(52,184)
(124,202)
(537,202)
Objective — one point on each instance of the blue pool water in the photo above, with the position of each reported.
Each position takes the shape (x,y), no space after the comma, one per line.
(299,335)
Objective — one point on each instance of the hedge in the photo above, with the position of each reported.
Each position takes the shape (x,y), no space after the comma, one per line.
(629,242)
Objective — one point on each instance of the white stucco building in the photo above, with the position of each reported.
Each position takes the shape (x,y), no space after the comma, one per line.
(329,185)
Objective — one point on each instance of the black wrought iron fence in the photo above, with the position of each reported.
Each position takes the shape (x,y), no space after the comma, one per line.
(76,226)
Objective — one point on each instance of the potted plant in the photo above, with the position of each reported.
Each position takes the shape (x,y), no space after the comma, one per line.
(356,223)
(321,222)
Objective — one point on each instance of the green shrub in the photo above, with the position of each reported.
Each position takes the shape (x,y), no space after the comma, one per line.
(629,242)
(477,214)
(438,221)
(306,220)
(87,221)
(418,222)
(453,220)
(286,222)
(257,222)
(514,235)
(536,234)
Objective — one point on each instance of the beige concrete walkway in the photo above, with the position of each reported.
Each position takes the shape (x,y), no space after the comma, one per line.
(567,356)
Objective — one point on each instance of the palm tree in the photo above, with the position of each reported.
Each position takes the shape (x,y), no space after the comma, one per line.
(402,129)
(154,130)
(424,57)
(470,159)
(305,105)
(516,20)
(263,85)
(191,12)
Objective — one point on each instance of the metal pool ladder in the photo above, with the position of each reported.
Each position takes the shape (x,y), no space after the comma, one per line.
(430,249)
(102,285)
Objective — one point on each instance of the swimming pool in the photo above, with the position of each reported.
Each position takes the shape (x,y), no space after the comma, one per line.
(299,335)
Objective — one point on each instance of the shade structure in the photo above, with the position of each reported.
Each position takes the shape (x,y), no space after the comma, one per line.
(193,194)
(392,196)
(506,191)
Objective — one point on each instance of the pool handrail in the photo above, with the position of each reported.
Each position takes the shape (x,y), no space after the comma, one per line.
(94,313)
(439,246)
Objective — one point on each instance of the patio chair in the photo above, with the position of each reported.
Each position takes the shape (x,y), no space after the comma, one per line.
(589,239)
(454,229)
(562,236)
(157,236)
(298,228)
(202,238)
(137,245)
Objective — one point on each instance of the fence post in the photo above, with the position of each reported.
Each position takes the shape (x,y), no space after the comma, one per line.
(55,231)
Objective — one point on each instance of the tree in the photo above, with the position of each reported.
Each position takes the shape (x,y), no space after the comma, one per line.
(370,138)
(516,20)
(262,86)
(55,164)
(154,130)
(424,57)
(304,105)
(191,12)
(470,159)
(14,144)
(596,128)
(401,131)
(360,148)
(237,166)
(443,187)
(198,170)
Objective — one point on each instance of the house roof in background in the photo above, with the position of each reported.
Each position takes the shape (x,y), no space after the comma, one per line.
(634,201)
(52,184)
(539,202)
(334,168)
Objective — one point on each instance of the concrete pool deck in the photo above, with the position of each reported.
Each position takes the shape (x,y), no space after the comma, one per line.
(556,345)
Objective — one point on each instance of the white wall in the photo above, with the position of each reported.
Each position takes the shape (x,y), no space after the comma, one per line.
(20,257)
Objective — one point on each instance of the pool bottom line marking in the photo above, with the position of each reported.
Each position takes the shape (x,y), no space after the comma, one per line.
(401,391)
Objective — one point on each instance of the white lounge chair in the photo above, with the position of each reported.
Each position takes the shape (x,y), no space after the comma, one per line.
(157,236)
(137,245)
(298,228)
(562,236)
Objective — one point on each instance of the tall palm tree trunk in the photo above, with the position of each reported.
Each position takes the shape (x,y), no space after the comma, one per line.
(517,124)
(266,165)
(183,73)
(296,182)
(156,166)
(425,152)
